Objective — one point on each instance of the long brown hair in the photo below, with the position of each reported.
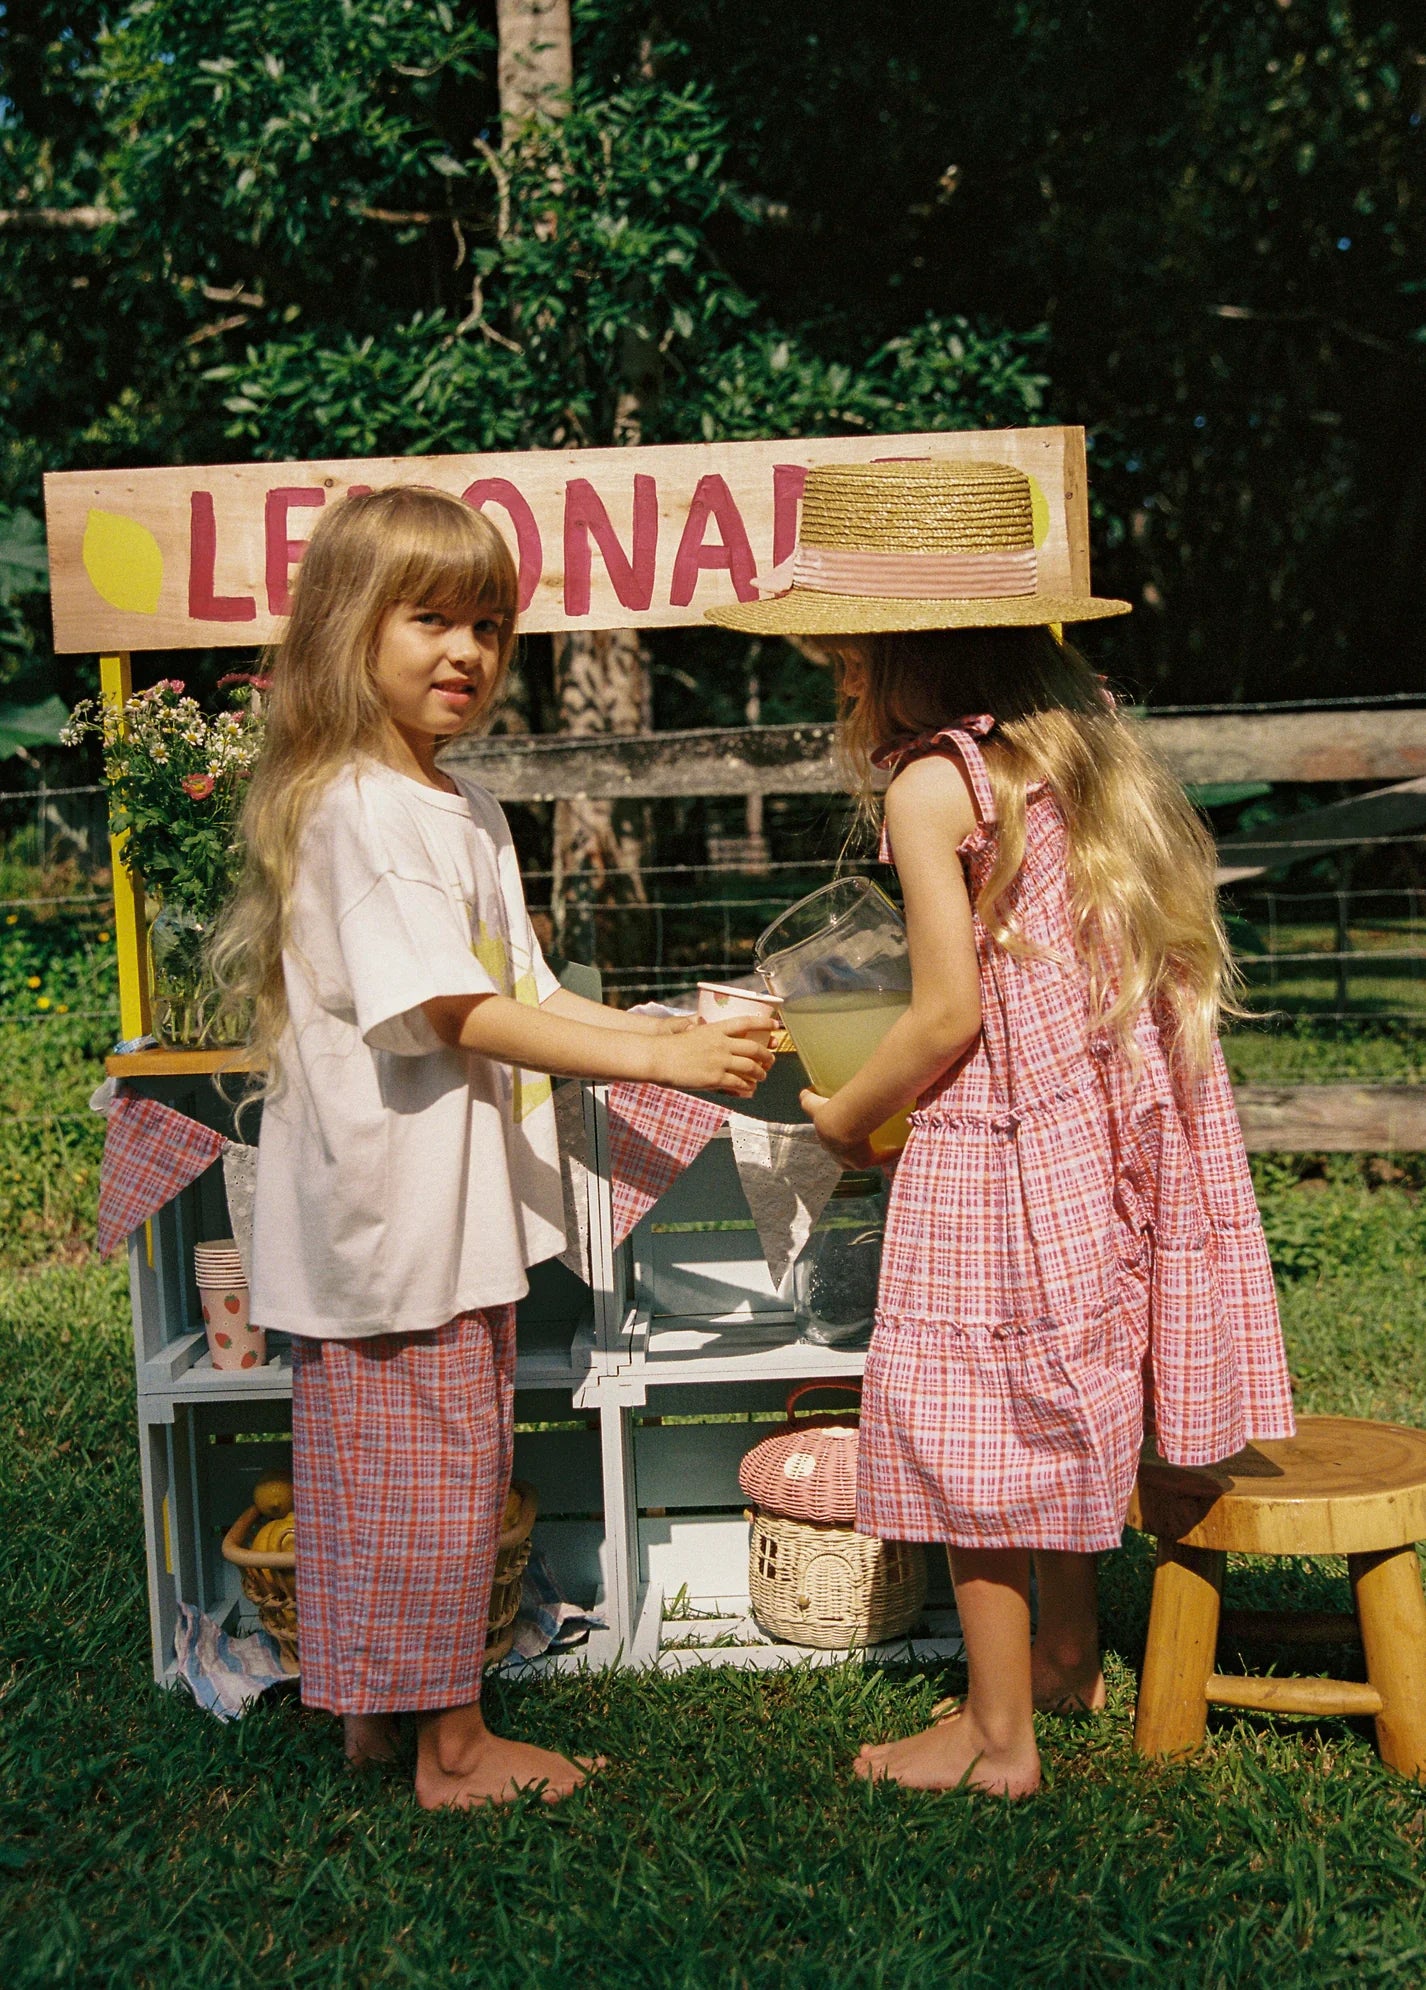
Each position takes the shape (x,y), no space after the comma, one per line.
(324,711)
(1141,861)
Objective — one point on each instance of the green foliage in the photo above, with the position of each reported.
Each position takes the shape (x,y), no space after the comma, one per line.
(750,213)
(421,388)
(276,125)
(312,218)
(24,577)
(946,373)
(58,1009)
(1305,1051)
(25,726)
(1216,209)
(599,312)
(1323,1219)
(24,563)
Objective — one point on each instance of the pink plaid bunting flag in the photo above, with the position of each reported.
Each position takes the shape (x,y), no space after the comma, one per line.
(654,1134)
(150,1153)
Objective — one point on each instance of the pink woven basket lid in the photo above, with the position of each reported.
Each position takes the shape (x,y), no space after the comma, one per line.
(808,1471)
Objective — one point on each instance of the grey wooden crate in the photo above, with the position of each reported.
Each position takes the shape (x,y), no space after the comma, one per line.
(201,1459)
(681,1320)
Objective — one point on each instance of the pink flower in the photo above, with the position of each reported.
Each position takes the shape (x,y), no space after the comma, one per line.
(198,787)
(174,684)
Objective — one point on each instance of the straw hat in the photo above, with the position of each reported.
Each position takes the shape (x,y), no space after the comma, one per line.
(919,545)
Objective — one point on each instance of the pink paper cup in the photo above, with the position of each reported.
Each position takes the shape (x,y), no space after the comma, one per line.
(720,1004)
(233,1341)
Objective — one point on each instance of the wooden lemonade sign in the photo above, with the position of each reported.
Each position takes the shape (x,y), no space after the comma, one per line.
(605,538)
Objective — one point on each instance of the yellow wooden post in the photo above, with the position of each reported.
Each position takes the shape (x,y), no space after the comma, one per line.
(130,926)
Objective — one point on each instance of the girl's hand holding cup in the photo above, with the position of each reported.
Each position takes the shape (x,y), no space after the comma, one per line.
(715,1057)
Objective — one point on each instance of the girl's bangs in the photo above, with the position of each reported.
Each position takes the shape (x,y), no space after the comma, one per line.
(456,566)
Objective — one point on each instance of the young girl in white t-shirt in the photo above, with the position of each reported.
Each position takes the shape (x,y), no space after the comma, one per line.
(408,1169)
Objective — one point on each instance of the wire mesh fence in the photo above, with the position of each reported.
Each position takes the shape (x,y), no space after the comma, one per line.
(1328,953)
(1304,948)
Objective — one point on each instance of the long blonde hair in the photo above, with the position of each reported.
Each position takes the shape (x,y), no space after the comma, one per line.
(324,710)
(1141,861)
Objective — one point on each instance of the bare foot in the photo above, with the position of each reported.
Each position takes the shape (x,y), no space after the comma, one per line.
(1071,1690)
(1068,1686)
(493,1770)
(369,1738)
(953,1755)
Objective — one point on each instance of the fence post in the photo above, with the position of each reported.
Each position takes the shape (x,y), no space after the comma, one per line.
(130,926)
(1344,935)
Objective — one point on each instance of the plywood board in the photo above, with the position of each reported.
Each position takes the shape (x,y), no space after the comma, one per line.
(202,558)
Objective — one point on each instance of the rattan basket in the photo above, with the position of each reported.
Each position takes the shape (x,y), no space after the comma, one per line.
(270,1580)
(514,1553)
(830,1587)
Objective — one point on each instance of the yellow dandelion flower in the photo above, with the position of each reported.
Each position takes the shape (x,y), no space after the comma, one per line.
(12,918)
(42,1001)
(60,1008)
(103,939)
(33,982)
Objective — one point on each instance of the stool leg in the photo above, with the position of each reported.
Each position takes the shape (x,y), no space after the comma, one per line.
(1183,1639)
(1391,1611)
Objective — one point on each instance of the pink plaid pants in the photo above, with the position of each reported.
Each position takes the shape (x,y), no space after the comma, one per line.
(402,1447)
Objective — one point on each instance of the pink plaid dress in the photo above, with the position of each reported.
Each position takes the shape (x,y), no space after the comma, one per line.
(401,1453)
(1065,1237)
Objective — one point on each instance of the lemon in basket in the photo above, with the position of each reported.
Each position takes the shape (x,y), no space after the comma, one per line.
(274,1537)
(272,1497)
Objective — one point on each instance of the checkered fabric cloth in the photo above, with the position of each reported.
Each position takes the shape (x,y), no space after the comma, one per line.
(150,1153)
(654,1134)
(1064,1230)
(401,1451)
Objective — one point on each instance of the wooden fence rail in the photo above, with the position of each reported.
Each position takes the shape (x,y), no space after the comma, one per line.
(1332,1119)
(1334,745)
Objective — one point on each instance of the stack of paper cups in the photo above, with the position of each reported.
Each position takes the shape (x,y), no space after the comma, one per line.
(233,1342)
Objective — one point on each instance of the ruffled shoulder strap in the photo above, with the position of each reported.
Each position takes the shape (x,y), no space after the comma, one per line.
(964,740)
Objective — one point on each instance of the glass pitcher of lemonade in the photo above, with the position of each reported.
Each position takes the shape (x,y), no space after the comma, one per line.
(838,964)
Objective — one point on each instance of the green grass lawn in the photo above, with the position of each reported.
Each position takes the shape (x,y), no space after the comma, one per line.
(141,1843)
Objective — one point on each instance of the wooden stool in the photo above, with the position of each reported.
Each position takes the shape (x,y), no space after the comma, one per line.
(1340,1487)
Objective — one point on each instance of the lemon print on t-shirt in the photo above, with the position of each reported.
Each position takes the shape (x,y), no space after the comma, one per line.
(530,1089)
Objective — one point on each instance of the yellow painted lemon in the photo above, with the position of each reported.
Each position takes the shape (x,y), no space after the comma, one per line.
(273,1496)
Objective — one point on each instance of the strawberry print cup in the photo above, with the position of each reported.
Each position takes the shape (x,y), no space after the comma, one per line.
(233,1342)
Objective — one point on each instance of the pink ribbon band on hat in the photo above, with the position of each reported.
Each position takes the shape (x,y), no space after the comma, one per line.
(906,576)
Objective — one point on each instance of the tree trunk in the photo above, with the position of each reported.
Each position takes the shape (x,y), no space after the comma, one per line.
(536,63)
(602,680)
(601,676)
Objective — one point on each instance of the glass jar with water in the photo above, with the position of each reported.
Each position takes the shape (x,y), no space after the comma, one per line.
(834,1279)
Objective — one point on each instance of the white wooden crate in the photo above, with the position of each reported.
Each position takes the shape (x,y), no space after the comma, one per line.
(681,1321)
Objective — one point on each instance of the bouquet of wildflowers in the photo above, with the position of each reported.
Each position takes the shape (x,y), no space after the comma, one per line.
(176,775)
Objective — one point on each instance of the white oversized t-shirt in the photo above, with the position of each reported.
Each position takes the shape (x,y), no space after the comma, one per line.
(400,1182)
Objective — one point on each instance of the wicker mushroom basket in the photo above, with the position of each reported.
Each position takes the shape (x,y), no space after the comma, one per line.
(812,1579)
(270,1580)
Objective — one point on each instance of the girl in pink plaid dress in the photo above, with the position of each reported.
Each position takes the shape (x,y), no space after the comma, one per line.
(1071,1235)
(408,1167)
